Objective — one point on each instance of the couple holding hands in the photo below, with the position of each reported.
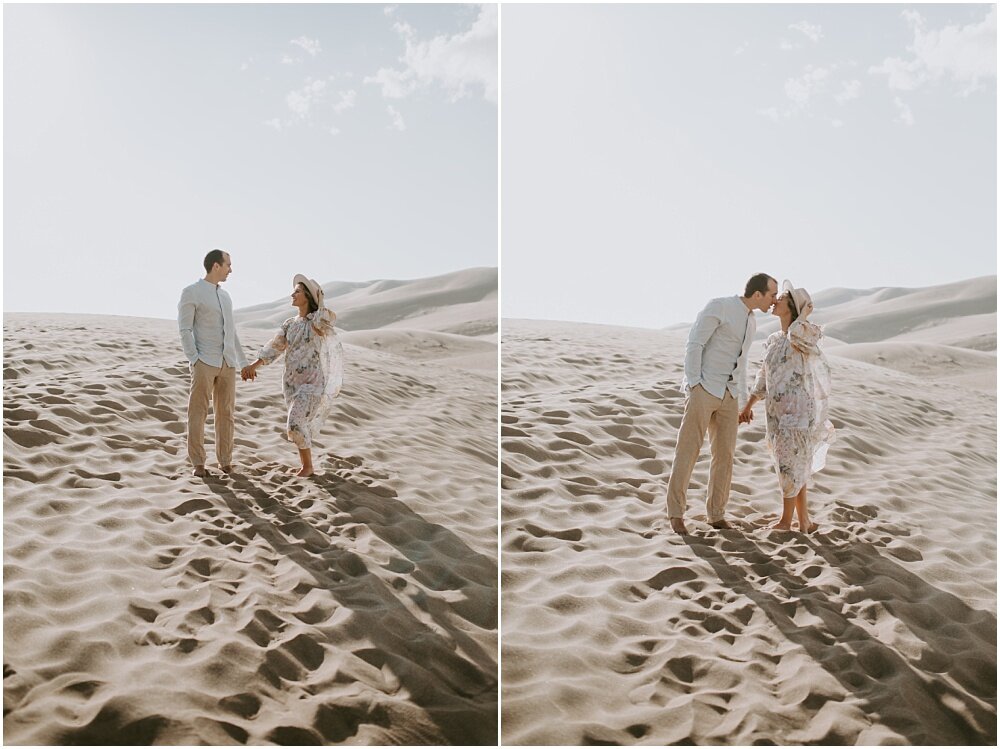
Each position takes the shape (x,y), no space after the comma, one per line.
(314,363)
(793,382)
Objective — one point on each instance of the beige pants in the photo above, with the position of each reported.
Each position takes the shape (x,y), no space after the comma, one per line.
(219,385)
(719,417)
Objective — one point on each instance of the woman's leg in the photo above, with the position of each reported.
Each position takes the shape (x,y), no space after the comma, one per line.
(805,525)
(785,523)
(305,455)
(298,433)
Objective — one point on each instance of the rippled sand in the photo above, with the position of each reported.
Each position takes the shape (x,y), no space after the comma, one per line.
(145,606)
(879,629)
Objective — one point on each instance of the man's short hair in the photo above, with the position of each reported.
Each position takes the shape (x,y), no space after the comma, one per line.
(215,256)
(758,283)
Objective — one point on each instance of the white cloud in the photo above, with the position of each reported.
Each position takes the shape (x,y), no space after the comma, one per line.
(773,114)
(459,63)
(312,46)
(787,46)
(347,100)
(836,123)
(812,32)
(904,113)
(302,100)
(334,131)
(742,48)
(289,60)
(812,81)
(966,54)
(246,65)
(397,119)
(848,90)
(274,123)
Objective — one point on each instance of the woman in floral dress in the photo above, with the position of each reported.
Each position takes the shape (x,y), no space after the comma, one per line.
(314,366)
(794,379)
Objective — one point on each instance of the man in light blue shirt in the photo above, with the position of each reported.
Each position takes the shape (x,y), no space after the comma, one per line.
(715,365)
(212,347)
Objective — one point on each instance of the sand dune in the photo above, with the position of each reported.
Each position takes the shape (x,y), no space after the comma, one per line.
(464,302)
(446,348)
(956,314)
(880,629)
(145,606)
(959,366)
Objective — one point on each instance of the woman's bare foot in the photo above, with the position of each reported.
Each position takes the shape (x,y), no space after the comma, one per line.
(782,526)
(305,472)
(812,528)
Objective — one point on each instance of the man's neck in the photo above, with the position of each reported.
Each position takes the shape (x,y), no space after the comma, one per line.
(211,280)
(746,303)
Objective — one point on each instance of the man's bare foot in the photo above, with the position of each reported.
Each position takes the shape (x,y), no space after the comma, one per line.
(199,472)
(228,469)
(678,525)
(782,526)
(812,528)
(721,525)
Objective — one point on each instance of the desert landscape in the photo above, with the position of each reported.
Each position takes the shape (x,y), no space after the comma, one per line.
(878,629)
(142,605)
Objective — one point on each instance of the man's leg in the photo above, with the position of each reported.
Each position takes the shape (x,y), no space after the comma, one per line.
(225,414)
(198,402)
(722,433)
(690,438)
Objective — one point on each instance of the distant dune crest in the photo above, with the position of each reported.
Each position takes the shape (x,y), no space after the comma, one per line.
(462,303)
(451,319)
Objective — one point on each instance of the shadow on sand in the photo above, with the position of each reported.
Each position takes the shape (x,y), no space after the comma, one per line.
(948,696)
(458,692)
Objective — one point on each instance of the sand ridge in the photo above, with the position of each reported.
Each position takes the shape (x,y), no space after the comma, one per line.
(463,303)
(881,629)
(145,606)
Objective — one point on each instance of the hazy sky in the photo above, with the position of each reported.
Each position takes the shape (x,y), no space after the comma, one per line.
(346,142)
(654,157)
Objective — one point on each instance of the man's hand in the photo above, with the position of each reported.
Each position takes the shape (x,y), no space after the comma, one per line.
(248,373)
(746,416)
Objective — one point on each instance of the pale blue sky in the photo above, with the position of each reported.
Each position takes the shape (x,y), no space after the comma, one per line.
(655,156)
(346,142)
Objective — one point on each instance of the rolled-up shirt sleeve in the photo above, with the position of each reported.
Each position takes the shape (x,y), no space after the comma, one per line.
(185,322)
(708,320)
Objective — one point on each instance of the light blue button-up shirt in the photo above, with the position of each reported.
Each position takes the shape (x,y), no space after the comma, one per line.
(208,333)
(716,353)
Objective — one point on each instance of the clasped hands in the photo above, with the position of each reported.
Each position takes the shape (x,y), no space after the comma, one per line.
(746,415)
(249,373)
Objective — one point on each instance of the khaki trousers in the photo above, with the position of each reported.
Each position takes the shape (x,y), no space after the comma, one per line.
(219,385)
(719,417)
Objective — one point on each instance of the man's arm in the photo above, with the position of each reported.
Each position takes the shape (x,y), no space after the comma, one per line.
(185,322)
(241,356)
(708,320)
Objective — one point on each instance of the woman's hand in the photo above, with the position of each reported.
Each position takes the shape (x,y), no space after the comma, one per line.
(746,415)
(806,311)
(250,372)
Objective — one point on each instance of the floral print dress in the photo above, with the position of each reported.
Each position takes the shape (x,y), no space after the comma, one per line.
(314,371)
(794,380)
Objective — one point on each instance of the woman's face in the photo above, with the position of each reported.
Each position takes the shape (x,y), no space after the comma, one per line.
(781,306)
(299,297)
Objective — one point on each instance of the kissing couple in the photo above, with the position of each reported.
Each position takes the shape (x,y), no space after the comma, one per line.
(314,363)
(793,381)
